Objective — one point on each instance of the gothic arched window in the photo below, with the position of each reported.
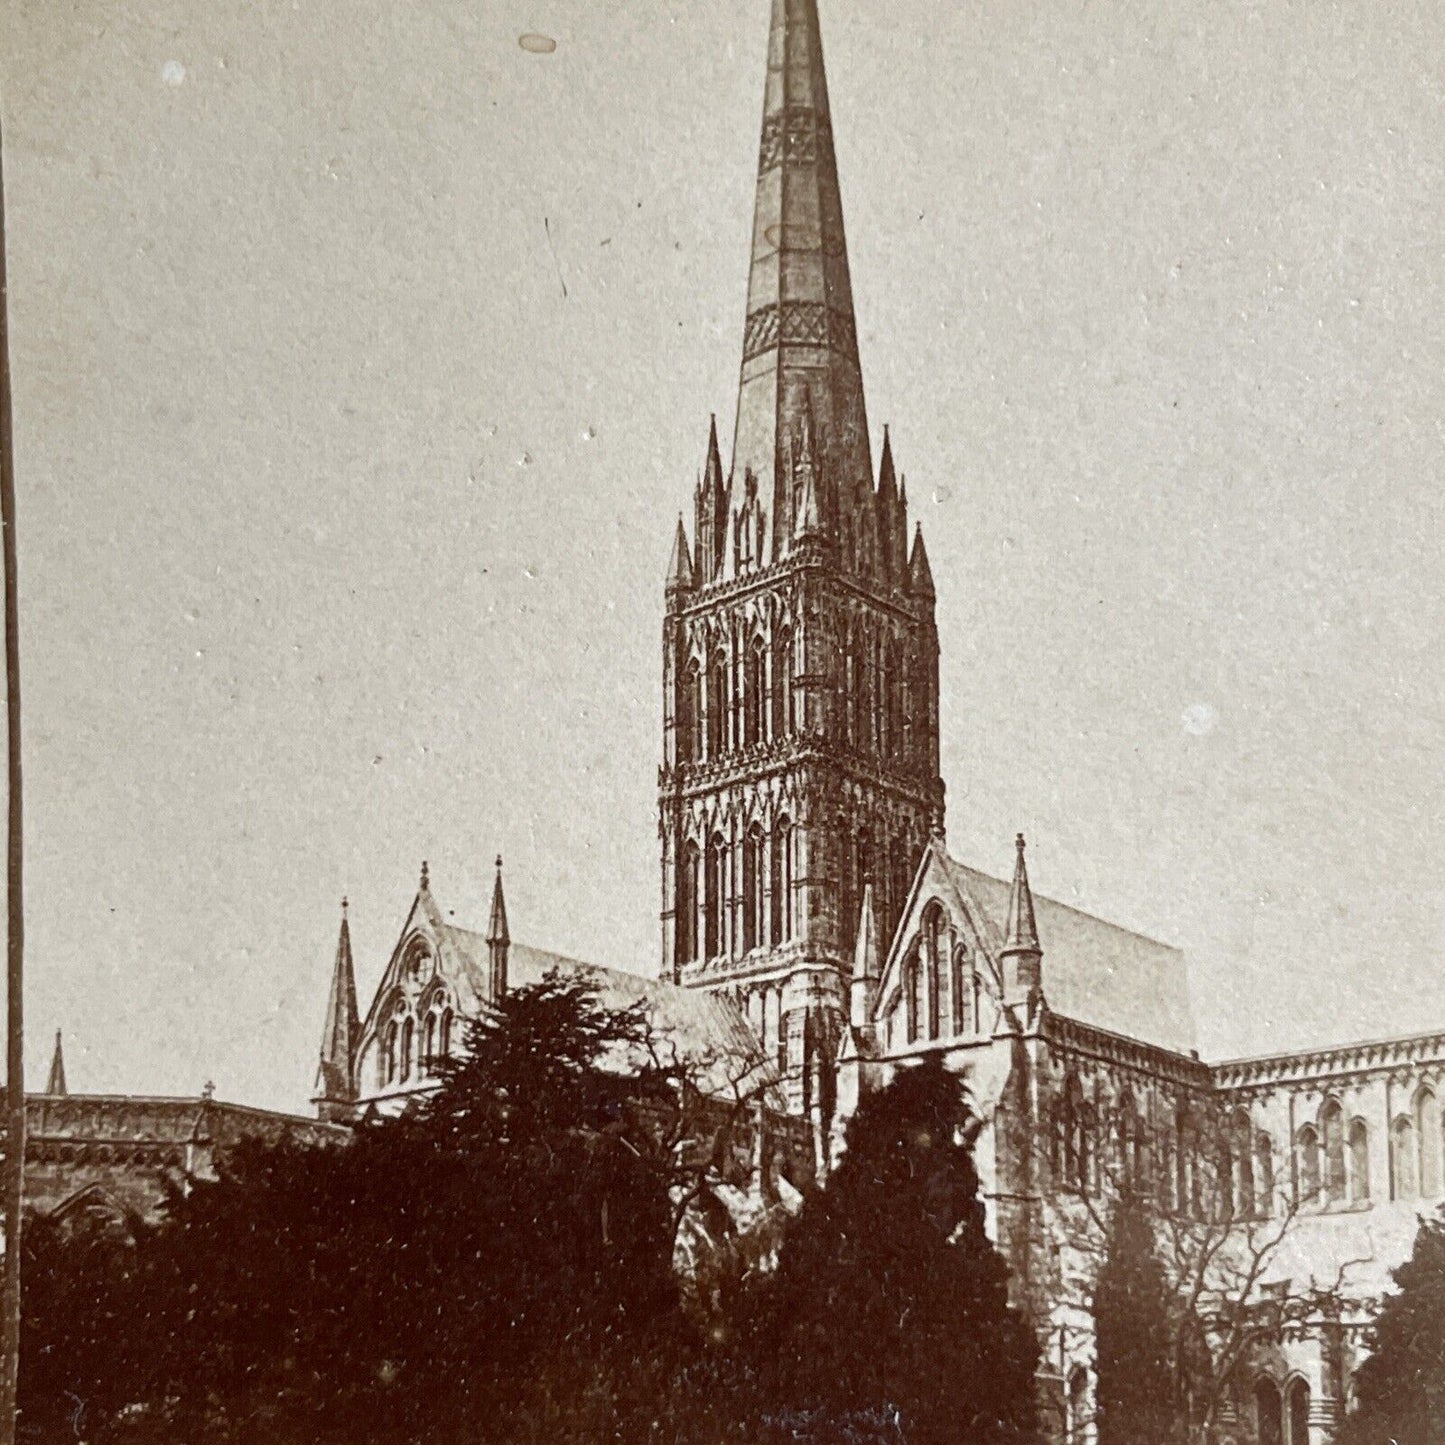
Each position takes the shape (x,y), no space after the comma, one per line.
(687,891)
(857,692)
(1299,1413)
(1264,1173)
(1427,1137)
(1183,1149)
(1242,1148)
(408,1039)
(1403,1162)
(689,714)
(1332,1137)
(1307,1164)
(717,706)
(781,930)
(1359,1161)
(962,992)
(446,1033)
(753,924)
(1268,1416)
(714,897)
(782,691)
(886,719)
(911,973)
(933,964)
(386,1061)
(755,694)
(429,1045)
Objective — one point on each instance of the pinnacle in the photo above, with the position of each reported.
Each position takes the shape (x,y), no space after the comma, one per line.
(1023,930)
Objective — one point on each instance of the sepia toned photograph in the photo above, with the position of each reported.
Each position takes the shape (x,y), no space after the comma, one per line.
(725,724)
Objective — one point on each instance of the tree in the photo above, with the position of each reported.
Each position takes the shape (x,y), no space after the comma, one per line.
(1137,1397)
(889,1317)
(80,1340)
(1400,1388)
(1216,1241)
(496,1264)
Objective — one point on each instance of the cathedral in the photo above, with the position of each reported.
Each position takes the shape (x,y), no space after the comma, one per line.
(813,918)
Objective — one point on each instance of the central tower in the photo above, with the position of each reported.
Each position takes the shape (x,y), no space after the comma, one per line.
(800,655)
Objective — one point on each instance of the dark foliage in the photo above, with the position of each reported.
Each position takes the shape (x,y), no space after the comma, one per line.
(482,1262)
(497,1265)
(888,1318)
(1137,1399)
(1400,1388)
(78,1338)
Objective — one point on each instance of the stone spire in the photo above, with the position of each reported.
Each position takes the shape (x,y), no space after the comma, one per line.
(800,342)
(498,939)
(679,568)
(712,513)
(1021,956)
(920,574)
(335,1086)
(55,1085)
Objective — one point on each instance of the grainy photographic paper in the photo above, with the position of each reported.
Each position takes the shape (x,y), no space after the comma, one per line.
(731,722)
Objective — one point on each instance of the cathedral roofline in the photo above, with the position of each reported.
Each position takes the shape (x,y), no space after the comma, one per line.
(1362,1056)
(1126,1051)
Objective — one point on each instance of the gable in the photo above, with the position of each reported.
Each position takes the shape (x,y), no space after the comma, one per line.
(1093,970)
(707,1028)
(1097,972)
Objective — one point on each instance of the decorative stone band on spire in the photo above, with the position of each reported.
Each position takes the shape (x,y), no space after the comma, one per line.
(792,135)
(800,323)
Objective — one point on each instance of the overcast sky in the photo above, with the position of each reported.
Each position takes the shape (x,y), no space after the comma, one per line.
(363,359)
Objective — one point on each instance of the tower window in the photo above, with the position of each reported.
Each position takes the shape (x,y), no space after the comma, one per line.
(755,695)
(717,706)
(689,714)
(714,897)
(686,916)
(782,871)
(752,888)
(782,690)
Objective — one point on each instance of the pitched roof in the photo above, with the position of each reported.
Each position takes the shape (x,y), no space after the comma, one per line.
(1096,971)
(707,1028)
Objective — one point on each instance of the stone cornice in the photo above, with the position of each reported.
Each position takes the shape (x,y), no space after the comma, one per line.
(747,765)
(1307,1065)
(705,599)
(1146,1059)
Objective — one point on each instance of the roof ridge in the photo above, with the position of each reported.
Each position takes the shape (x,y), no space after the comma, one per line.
(1069,907)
